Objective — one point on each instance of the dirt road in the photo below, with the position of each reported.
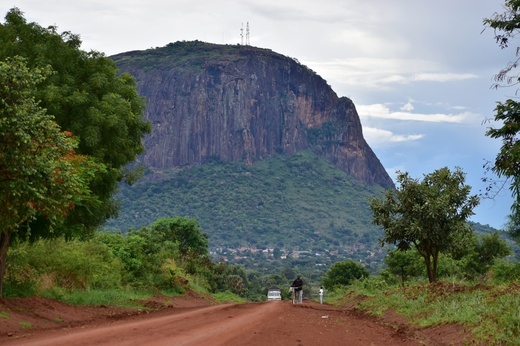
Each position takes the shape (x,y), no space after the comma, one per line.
(268,323)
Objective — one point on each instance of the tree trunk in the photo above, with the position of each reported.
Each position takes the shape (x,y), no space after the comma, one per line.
(4,246)
(429,270)
(434,267)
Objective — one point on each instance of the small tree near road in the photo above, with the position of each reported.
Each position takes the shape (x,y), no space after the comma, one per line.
(403,264)
(344,274)
(430,214)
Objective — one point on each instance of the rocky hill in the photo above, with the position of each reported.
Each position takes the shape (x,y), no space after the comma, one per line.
(242,103)
(260,151)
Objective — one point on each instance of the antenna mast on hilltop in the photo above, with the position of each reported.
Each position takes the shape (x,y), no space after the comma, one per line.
(242,34)
(247,34)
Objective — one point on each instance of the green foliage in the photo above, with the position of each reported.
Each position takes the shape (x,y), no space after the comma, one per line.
(41,175)
(108,297)
(321,207)
(190,239)
(482,254)
(507,114)
(187,55)
(228,297)
(506,161)
(370,286)
(168,254)
(88,99)
(344,274)
(58,263)
(504,272)
(430,214)
(404,264)
(486,311)
(473,262)
(25,324)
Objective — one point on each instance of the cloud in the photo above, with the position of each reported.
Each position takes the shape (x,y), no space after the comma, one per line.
(442,77)
(379,137)
(382,111)
(407,107)
(376,73)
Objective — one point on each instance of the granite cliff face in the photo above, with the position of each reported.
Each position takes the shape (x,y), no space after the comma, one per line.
(234,102)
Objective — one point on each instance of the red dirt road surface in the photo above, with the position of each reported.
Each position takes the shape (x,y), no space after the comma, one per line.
(267,323)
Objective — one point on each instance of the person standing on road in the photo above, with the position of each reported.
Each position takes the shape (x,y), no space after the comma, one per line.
(321,295)
(297,285)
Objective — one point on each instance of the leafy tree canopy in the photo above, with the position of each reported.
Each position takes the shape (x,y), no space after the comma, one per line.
(430,214)
(87,98)
(40,172)
(344,273)
(403,264)
(482,253)
(506,26)
(185,232)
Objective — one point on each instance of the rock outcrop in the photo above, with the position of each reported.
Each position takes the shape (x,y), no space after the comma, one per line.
(233,102)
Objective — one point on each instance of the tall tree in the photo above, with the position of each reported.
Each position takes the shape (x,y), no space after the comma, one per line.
(430,214)
(40,173)
(88,98)
(506,26)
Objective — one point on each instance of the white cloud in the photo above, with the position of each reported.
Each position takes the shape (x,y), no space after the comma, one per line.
(382,111)
(442,77)
(378,137)
(407,107)
(375,73)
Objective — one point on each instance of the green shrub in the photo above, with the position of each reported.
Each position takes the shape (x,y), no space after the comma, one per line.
(119,297)
(505,272)
(65,264)
(488,311)
(20,278)
(370,285)
(343,274)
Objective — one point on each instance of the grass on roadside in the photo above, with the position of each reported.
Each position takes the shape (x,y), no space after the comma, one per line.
(492,312)
(228,297)
(122,298)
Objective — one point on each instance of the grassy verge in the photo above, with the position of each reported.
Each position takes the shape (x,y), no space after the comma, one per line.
(122,298)
(228,297)
(492,313)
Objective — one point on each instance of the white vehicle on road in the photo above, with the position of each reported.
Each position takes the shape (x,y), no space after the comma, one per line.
(274,293)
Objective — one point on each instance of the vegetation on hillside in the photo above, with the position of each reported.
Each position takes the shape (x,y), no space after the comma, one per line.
(190,55)
(239,205)
(285,211)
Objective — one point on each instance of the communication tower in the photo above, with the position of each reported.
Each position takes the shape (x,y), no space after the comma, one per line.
(247,34)
(242,34)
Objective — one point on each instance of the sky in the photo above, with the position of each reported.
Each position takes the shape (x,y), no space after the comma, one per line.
(420,73)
